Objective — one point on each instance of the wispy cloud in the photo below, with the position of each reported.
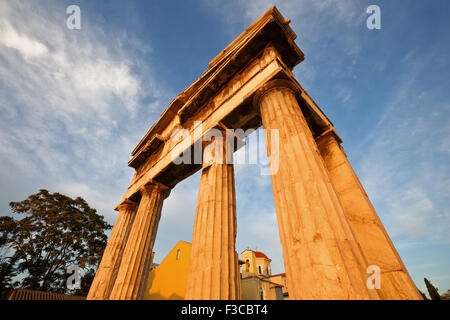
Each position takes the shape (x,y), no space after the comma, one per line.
(74,103)
(404,169)
(402,150)
(344,94)
(28,48)
(69,102)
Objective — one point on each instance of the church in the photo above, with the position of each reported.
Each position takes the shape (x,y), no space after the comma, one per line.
(167,280)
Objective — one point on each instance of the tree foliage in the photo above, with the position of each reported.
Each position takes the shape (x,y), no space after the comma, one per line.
(432,290)
(55,233)
(446,296)
(424,296)
(7,272)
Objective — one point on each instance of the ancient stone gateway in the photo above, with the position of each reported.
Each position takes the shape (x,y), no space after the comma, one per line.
(329,230)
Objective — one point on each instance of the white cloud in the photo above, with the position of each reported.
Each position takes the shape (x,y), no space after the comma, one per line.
(412,213)
(311,20)
(344,10)
(409,244)
(405,167)
(69,101)
(344,94)
(28,47)
(319,25)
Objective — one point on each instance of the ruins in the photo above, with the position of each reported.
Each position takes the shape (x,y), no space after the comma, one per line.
(329,231)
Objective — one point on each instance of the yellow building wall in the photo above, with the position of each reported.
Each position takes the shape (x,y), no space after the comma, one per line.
(277,279)
(267,292)
(254,263)
(250,256)
(168,280)
(250,289)
(281,280)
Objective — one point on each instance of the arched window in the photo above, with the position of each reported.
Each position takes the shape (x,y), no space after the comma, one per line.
(259,269)
(178,254)
(247,265)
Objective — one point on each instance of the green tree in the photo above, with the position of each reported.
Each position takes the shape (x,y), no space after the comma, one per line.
(56,232)
(432,290)
(7,272)
(424,296)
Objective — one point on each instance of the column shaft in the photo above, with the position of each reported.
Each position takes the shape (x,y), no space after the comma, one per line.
(321,256)
(365,223)
(134,269)
(213,268)
(107,271)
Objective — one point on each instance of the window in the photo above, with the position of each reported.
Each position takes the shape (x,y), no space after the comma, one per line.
(259,269)
(247,265)
(178,254)
(267,270)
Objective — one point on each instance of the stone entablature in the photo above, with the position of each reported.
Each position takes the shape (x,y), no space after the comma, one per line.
(330,232)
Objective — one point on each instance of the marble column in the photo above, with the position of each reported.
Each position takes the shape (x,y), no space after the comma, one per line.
(375,243)
(135,266)
(107,271)
(213,269)
(321,256)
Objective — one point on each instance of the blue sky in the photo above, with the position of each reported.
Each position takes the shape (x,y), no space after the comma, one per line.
(74,103)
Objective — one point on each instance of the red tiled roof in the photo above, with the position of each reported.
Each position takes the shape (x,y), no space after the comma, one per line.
(26,294)
(279,274)
(259,254)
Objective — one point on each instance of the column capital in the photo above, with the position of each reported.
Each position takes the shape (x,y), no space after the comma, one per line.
(275,84)
(329,134)
(219,145)
(126,204)
(154,186)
